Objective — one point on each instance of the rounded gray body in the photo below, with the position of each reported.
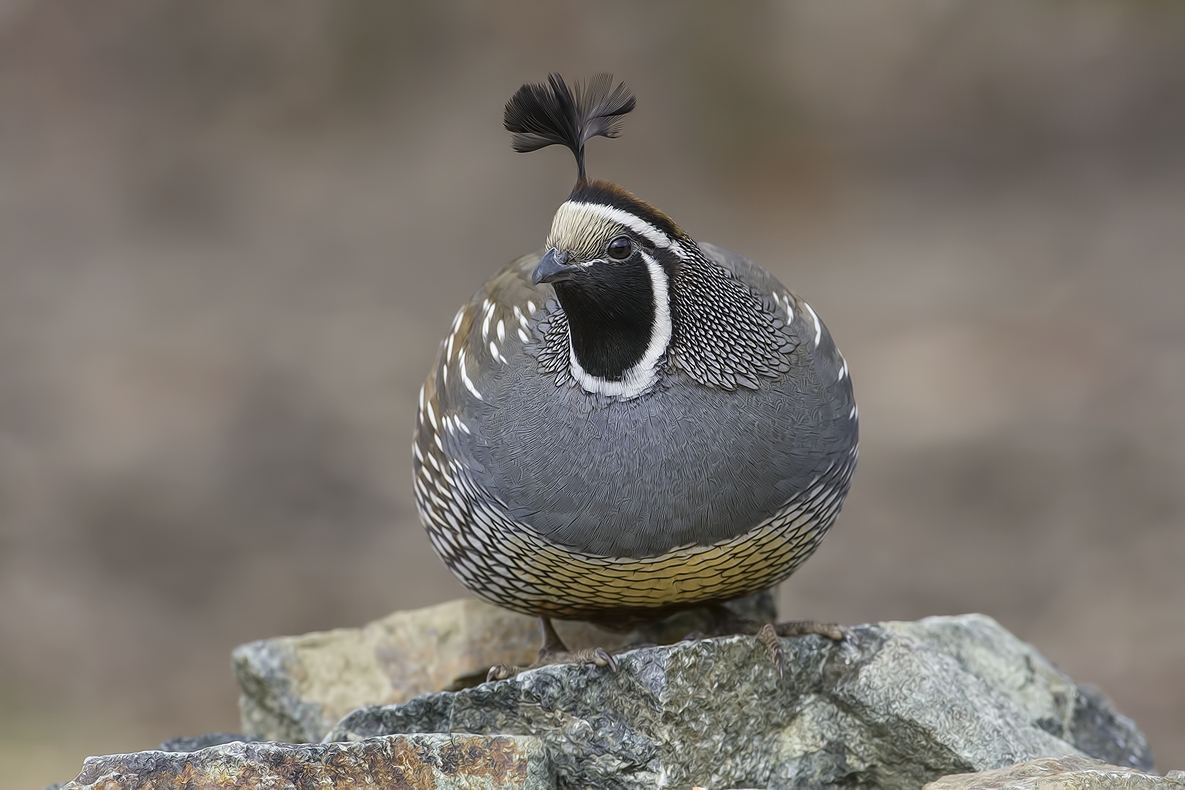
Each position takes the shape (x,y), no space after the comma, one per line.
(716,483)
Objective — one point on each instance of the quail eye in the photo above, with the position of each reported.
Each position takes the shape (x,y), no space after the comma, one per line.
(620,248)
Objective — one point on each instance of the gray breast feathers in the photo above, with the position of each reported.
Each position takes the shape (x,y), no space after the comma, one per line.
(686,463)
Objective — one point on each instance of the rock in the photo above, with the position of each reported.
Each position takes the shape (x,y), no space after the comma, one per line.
(1100,731)
(894,705)
(196,742)
(296,688)
(411,762)
(1066,773)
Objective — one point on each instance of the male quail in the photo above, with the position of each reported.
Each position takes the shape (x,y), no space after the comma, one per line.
(630,422)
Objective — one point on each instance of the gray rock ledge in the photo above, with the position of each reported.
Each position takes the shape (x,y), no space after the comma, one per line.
(296,687)
(895,705)
(412,762)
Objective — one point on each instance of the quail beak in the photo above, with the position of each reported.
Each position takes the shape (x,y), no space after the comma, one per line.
(553,268)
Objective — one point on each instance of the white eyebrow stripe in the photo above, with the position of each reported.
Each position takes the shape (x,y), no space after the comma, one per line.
(633,222)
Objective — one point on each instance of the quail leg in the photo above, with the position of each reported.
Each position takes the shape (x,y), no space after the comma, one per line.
(728,624)
(554,651)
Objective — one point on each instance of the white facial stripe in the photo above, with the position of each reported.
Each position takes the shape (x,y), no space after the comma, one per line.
(634,223)
(641,376)
(660,335)
(571,217)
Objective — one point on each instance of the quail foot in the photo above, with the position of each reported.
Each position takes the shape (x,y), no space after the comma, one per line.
(628,422)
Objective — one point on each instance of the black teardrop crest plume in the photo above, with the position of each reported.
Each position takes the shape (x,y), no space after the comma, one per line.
(551,113)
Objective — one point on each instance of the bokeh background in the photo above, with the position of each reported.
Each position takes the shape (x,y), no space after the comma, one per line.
(232,235)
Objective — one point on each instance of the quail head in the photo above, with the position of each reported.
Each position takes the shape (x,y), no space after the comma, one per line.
(628,422)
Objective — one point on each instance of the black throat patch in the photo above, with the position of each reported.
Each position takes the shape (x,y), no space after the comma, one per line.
(610,312)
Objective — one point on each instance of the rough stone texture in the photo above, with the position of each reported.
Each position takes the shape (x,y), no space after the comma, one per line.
(1066,773)
(413,762)
(895,705)
(296,688)
(196,742)
(1100,731)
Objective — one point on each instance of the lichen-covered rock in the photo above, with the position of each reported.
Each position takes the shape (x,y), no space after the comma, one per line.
(1065,773)
(412,762)
(894,705)
(296,688)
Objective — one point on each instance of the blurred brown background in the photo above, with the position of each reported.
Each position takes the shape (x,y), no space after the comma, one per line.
(232,235)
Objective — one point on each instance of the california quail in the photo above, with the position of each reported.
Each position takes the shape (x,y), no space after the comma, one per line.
(629,422)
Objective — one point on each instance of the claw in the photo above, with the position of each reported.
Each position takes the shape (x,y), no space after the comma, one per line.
(806,627)
(769,637)
(502,672)
(602,659)
(597,656)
